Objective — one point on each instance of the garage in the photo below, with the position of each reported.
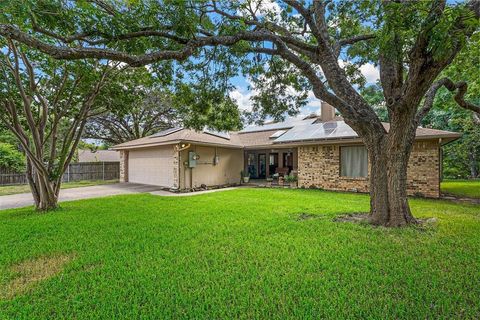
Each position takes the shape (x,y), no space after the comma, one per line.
(153,166)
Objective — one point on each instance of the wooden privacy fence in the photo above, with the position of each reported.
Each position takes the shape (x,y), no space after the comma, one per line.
(75,172)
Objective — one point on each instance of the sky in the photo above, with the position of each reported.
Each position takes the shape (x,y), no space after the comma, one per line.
(242,94)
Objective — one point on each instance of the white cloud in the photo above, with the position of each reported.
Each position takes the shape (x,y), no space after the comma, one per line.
(313,105)
(242,97)
(370,72)
(313,101)
(262,8)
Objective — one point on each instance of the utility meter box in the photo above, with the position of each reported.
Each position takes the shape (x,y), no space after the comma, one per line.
(192,159)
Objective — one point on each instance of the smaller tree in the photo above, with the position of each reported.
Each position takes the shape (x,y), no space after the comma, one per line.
(46,104)
(136,107)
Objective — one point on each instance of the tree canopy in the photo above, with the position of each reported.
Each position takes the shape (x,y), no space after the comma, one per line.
(288,48)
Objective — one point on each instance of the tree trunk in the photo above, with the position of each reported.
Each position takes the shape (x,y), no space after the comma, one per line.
(388,185)
(472,159)
(47,199)
(44,194)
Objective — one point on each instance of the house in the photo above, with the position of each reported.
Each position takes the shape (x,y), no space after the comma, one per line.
(323,151)
(87,155)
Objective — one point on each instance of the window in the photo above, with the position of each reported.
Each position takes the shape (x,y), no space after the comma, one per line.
(353,161)
(251,159)
(273,159)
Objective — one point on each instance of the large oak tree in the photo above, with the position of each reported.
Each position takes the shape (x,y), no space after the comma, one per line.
(410,41)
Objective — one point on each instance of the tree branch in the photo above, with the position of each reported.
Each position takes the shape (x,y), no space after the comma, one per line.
(62,52)
(349,41)
(460,88)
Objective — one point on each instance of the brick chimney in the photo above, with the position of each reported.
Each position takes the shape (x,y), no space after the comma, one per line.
(327,112)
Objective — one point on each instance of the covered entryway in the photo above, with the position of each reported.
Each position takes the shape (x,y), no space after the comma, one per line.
(154,166)
(264,163)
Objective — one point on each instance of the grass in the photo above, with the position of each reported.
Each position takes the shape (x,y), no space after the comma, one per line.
(23,188)
(242,254)
(462,188)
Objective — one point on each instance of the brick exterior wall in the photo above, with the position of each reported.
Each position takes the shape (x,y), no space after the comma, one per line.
(319,166)
(423,175)
(123,165)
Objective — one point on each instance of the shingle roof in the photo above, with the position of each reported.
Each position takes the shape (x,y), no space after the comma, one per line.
(183,135)
(298,132)
(86,155)
(288,123)
(259,138)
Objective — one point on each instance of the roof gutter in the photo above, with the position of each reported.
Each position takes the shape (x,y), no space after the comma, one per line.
(166,143)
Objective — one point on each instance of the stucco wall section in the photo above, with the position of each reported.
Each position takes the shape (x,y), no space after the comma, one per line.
(176,173)
(319,166)
(123,165)
(227,171)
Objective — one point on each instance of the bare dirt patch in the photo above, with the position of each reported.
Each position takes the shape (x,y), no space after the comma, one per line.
(30,272)
(357,217)
(425,224)
(308,216)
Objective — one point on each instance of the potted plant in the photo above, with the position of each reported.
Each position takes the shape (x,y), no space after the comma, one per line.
(269,181)
(291,179)
(245,176)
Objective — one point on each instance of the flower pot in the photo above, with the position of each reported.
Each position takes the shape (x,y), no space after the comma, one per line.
(246,179)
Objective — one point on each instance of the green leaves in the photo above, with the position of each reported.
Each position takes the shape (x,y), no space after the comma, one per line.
(11,158)
(200,107)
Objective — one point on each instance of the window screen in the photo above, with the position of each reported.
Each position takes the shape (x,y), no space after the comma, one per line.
(354,162)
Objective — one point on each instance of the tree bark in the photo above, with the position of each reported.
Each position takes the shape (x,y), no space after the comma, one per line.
(44,193)
(389,155)
(45,196)
(388,187)
(378,182)
(472,159)
(48,198)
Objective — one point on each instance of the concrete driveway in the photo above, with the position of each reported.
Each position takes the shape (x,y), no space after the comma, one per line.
(26,199)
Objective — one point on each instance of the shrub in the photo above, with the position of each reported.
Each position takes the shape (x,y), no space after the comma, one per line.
(291,178)
(11,158)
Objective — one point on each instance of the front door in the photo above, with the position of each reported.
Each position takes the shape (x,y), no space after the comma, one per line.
(262,165)
(252,165)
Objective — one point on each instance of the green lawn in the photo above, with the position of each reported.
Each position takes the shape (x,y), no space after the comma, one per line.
(22,188)
(462,188)
(238,254)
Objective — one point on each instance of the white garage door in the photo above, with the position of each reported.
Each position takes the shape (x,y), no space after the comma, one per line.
(151,166)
